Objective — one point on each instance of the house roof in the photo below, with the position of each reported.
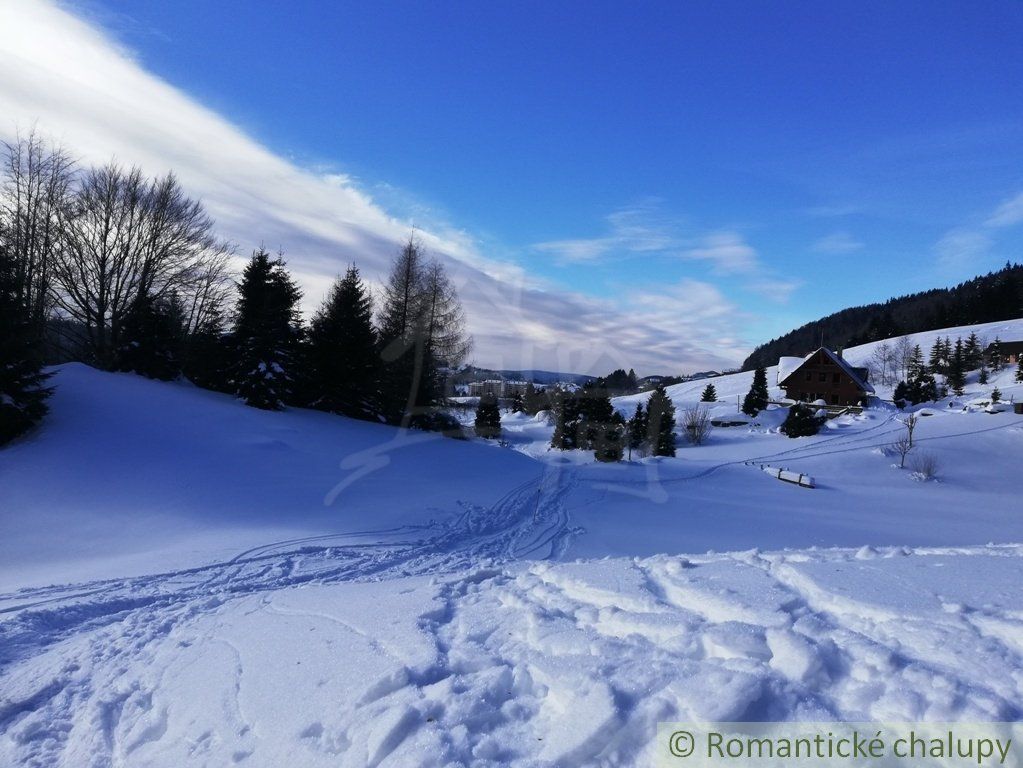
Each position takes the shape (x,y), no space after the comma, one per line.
(1007,346)
(858,375)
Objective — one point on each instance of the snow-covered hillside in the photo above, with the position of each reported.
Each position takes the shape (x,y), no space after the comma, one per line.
(736,385)
(187,581)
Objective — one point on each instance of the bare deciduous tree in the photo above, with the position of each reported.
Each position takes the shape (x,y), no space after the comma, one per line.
(911,422)
(34,192)
(125,237)
(902,446)
(696,426)
(881,363)
(903,354)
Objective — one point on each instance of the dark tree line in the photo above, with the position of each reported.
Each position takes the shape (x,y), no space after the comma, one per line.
(988,298)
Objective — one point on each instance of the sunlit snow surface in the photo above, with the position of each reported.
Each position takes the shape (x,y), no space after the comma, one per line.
(186,581)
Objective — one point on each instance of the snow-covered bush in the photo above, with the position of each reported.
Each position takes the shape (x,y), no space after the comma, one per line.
(801,422)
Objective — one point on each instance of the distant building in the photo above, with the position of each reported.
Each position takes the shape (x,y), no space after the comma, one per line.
(1011,351)
(498,388)
(823,375)
(702,375)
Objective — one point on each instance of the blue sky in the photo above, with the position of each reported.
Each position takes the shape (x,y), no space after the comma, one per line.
(797,158)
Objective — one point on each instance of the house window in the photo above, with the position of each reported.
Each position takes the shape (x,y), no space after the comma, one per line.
(822,377)
(809,376)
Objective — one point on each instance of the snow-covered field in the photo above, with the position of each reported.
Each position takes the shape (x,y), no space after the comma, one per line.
(186,581)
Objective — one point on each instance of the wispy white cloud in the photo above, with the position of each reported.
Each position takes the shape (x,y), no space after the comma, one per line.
(959,250)
(75,83)
(633,230)
(777,290)
(1008,213)
(837,242)
(968,249)
(643,229)
(727,252)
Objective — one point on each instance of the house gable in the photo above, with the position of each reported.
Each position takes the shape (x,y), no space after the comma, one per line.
(823,375)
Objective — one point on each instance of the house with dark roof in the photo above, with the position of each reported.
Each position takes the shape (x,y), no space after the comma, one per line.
(1012,351)
(824,375)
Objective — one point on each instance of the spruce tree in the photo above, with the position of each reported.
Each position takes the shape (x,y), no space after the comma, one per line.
(801,421)
(996,395)
(637,430)
(661,423)
(518,403)
(488,417)
(267,331)
(601,429)
(633,381)
(995,355)
(710,395)
(757,397)
(535,400)
(936,360)
(1019,370)
(595,409)
(207,355)
(972,352)
(342,358)
(916,366)
(153,338)
(956,376)
(23,392)
(983,376)
(609,442)
(568,413)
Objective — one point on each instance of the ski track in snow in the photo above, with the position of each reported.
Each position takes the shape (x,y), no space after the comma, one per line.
(532,663)
(528,663)
(471,641)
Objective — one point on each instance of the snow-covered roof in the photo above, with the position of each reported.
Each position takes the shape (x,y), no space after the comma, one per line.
(787,365)
(853,373)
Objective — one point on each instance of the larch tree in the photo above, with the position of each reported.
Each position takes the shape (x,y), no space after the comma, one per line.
(422,331)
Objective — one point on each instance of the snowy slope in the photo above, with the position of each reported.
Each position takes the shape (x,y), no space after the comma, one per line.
(531,664)
(732,386)
(130,475)
(187,581)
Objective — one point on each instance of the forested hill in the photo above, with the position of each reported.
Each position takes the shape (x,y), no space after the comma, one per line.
(995,296)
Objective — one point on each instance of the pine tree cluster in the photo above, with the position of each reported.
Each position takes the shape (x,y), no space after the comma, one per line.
(586,420)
